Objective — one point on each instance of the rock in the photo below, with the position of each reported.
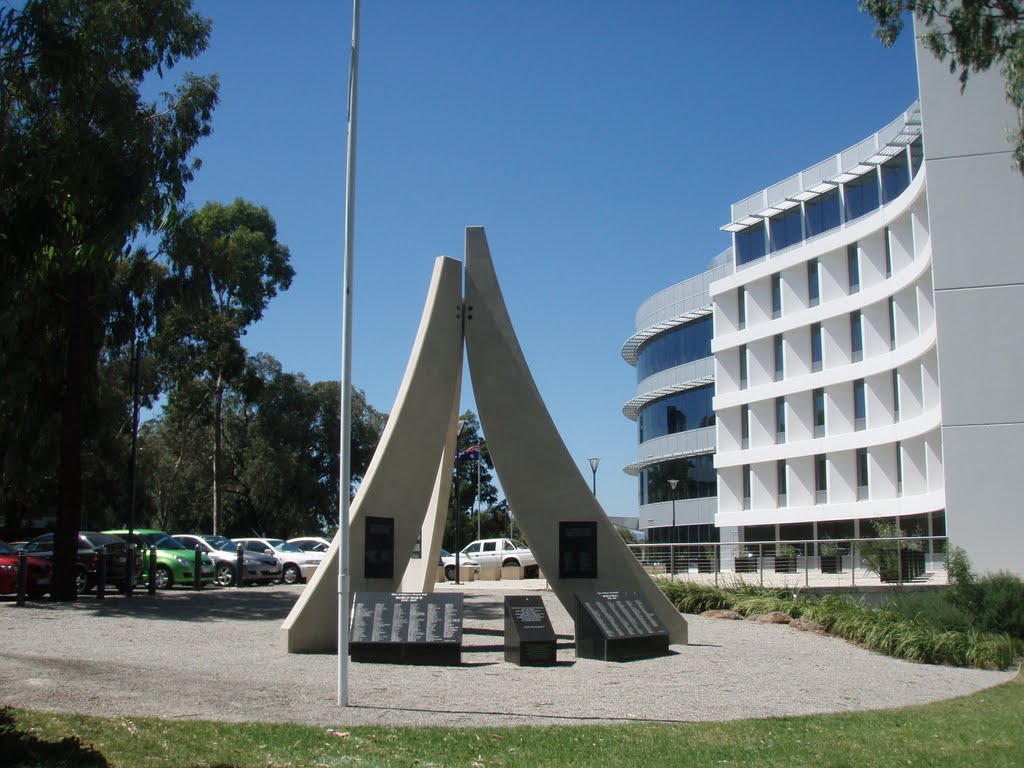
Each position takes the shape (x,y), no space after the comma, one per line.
(806,625)
(721,613)
(773,617)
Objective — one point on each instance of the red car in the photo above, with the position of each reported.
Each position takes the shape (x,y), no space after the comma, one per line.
(38,581)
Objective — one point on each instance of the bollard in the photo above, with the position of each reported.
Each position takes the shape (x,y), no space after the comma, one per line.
(101,573)
(152,571)
(197,575)
(22,576)
(129,576)
(239,566)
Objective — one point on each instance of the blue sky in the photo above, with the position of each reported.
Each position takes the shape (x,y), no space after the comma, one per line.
(600,143)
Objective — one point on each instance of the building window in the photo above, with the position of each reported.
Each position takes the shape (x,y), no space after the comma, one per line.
(747,472)
(813,292)
(741,307)
(862,473)
(895,395)
(916,156)
(743,366)
(697,476)
(776,295)
(853,267)
(895,177)
(780,472)
(892,322)
(820,479)
(786,229)
(860,410)
(818,397)
(888,254)
(816,347)
(750,244)
(745,426)
(822,213)
(780,419)
(861,195)
(779,357)
(856,336)
(899,469)
(681,412)
(683,344)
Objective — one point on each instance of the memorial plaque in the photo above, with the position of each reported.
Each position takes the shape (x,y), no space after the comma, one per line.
(379,560)
(529,636)
(618,626)
(406,628)
(577,550)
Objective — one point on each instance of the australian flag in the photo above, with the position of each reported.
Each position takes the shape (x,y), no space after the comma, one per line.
(470,454)
(501,508)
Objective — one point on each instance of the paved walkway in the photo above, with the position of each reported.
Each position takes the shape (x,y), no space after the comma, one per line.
(216,655)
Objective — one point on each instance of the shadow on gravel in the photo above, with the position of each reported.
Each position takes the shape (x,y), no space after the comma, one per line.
(24,750)
(182,605)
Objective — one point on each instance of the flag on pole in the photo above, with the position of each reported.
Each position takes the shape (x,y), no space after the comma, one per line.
(471,453)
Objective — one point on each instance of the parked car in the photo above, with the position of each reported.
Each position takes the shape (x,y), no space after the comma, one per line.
(38,573)
(224,553)
(296,565)
(502,552)
(448,561)
(311,543)
(87,565)
(174,563)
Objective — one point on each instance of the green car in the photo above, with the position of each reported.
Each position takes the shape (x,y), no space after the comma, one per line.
(175,564)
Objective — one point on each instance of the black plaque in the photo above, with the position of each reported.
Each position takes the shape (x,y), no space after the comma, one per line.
(379,560)
(577,550)
(529,636)
(617,626)
(406,628)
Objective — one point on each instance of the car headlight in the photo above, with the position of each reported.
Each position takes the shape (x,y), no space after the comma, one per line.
(8,568)
(181,560)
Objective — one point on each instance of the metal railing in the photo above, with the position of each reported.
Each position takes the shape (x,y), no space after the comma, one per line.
(815,562)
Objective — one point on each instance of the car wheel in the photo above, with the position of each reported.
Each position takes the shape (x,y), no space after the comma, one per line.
(509,562)
(164,578)
(291,574)
(81,581)
(225,575)
(449,572)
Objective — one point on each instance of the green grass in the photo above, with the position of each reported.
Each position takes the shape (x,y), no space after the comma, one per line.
(894,631)
(984,729)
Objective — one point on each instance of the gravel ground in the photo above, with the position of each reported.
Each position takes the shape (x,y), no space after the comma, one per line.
(216,655)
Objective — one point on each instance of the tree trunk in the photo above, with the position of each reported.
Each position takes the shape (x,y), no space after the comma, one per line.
(69,508)
(217,408)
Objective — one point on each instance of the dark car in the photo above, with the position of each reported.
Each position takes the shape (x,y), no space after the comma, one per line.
(38,571)
(86,570)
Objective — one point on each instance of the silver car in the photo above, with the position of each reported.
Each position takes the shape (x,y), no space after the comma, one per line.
(297,566)
(224,553)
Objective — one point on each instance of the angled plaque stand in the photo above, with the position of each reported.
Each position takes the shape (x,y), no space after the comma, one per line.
(409,478)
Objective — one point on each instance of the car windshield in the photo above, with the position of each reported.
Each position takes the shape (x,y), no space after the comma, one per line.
(283,546)
(221,543)
(445,553)
(7,549)
(101,539)
(162,541)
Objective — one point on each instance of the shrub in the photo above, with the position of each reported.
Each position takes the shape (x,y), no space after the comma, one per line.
(1001,604)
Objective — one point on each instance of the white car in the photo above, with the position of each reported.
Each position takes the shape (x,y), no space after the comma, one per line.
(311,543)
(297,566)
(448,561)
(502,552)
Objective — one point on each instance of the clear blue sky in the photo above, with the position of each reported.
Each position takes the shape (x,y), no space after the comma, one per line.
(600,143)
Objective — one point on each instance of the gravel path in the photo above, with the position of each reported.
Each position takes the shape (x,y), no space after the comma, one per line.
(216,655)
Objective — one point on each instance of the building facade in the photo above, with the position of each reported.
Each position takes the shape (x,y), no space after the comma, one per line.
(864,356)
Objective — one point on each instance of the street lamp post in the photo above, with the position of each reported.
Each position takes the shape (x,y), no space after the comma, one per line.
(458,521)
(672,547)
(593,468)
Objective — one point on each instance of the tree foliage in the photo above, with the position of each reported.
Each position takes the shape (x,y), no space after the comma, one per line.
(974,35)
(464,501)
(86,166)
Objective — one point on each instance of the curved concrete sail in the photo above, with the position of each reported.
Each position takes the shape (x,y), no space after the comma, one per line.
(541,481)
(404,472)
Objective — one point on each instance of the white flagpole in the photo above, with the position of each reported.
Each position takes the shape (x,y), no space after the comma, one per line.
(345,482)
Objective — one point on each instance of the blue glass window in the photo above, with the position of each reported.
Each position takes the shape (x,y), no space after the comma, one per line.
(684,344)
(822,213)
(816,347)
(813,292)
(856,336)
(895,177)
(818,397)
(786,229)
(916,156)
(780,417)
(779,357)
(680,412)
(741,304)
(861,195)
(820,473)
(853,267)
(860,407)
(776,295)
(750,244)
(696,475)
